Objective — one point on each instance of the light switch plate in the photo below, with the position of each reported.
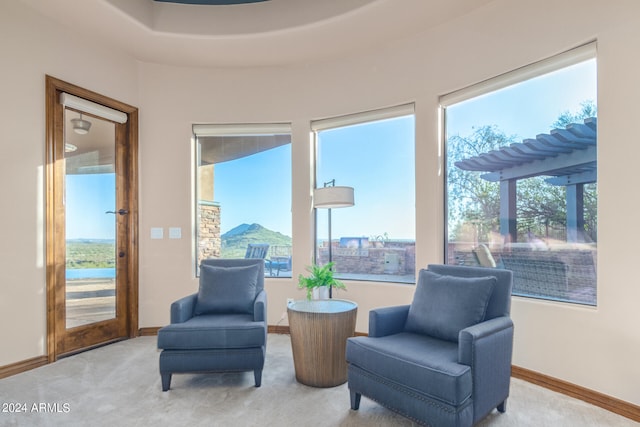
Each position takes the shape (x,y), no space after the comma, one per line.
(157,233)
(175,233)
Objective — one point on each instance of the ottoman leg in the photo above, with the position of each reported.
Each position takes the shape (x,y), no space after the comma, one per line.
(257,375)
(166,381)
(355,400)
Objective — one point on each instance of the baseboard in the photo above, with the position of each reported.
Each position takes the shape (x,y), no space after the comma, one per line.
(23,366)
(284,329)
(278,329)
(272,329)
(148,332)
(595,398)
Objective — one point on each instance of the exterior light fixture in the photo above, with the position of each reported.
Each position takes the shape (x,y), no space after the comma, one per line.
(81,126)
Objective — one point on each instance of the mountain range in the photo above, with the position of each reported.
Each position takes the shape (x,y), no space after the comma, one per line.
(234,242)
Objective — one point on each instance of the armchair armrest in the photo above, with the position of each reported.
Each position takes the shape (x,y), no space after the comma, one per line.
(487,347)
(497,331)
(260,307)
(387,320)
(182,309)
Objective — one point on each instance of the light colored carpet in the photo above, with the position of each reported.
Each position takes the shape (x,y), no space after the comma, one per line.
(119,385)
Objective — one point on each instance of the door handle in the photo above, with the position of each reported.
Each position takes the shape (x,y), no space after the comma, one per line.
(119,212)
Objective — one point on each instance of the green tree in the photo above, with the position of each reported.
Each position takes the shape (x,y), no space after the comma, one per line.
(474,203)
(587,109)
(473,199)
(541,209)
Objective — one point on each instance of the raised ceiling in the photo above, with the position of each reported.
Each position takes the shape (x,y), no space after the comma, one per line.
(266,33)
(211,2)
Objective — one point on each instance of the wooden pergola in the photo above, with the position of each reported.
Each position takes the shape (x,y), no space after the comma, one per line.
(567,156)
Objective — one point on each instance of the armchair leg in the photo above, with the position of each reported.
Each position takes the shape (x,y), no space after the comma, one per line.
(257,374)
(166,381)
(355,399)
(502,408)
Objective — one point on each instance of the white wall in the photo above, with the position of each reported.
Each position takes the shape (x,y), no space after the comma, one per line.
(592,347)
(597,348)
(30,47)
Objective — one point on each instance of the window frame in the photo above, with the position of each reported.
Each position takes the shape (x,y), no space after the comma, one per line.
(218,130)
(360,118)
(558,62)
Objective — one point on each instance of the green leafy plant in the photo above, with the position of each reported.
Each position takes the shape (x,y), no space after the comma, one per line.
(319,276)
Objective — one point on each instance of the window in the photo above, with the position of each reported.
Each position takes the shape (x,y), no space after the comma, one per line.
(521,182)
(243,188)
(374,153)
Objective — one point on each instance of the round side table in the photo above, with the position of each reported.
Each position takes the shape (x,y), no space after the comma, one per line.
(319,330)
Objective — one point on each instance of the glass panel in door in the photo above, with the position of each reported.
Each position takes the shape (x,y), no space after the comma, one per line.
(90,225)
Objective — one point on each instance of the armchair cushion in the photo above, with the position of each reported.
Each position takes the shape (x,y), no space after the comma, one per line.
(213,331)
(400,359)
(226,289)
(444,305)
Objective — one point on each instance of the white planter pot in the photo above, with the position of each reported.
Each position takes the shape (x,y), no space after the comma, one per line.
(321,293)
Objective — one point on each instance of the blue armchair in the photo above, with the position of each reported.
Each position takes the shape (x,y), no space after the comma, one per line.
(444,360)
(221,328)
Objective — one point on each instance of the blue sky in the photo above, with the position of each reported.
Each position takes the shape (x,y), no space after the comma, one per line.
(373,158)
(368,157)
(88,197)
(529,108)
(377,159)
(256,189)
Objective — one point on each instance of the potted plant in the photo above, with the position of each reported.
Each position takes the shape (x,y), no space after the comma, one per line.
(320,276)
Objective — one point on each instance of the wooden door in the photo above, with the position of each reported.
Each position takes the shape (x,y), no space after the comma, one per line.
(91,220)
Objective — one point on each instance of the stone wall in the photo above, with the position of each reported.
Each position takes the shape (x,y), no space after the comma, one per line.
(209,242)
(392,257)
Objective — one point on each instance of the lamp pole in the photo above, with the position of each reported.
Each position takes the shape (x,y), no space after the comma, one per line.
(333,184)
(327,197)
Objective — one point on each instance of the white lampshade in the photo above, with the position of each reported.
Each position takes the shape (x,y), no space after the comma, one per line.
(333,197)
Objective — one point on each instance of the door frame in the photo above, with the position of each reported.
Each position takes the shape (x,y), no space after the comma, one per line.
(55,152)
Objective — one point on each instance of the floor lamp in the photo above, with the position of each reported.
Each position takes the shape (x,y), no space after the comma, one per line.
(328,197)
